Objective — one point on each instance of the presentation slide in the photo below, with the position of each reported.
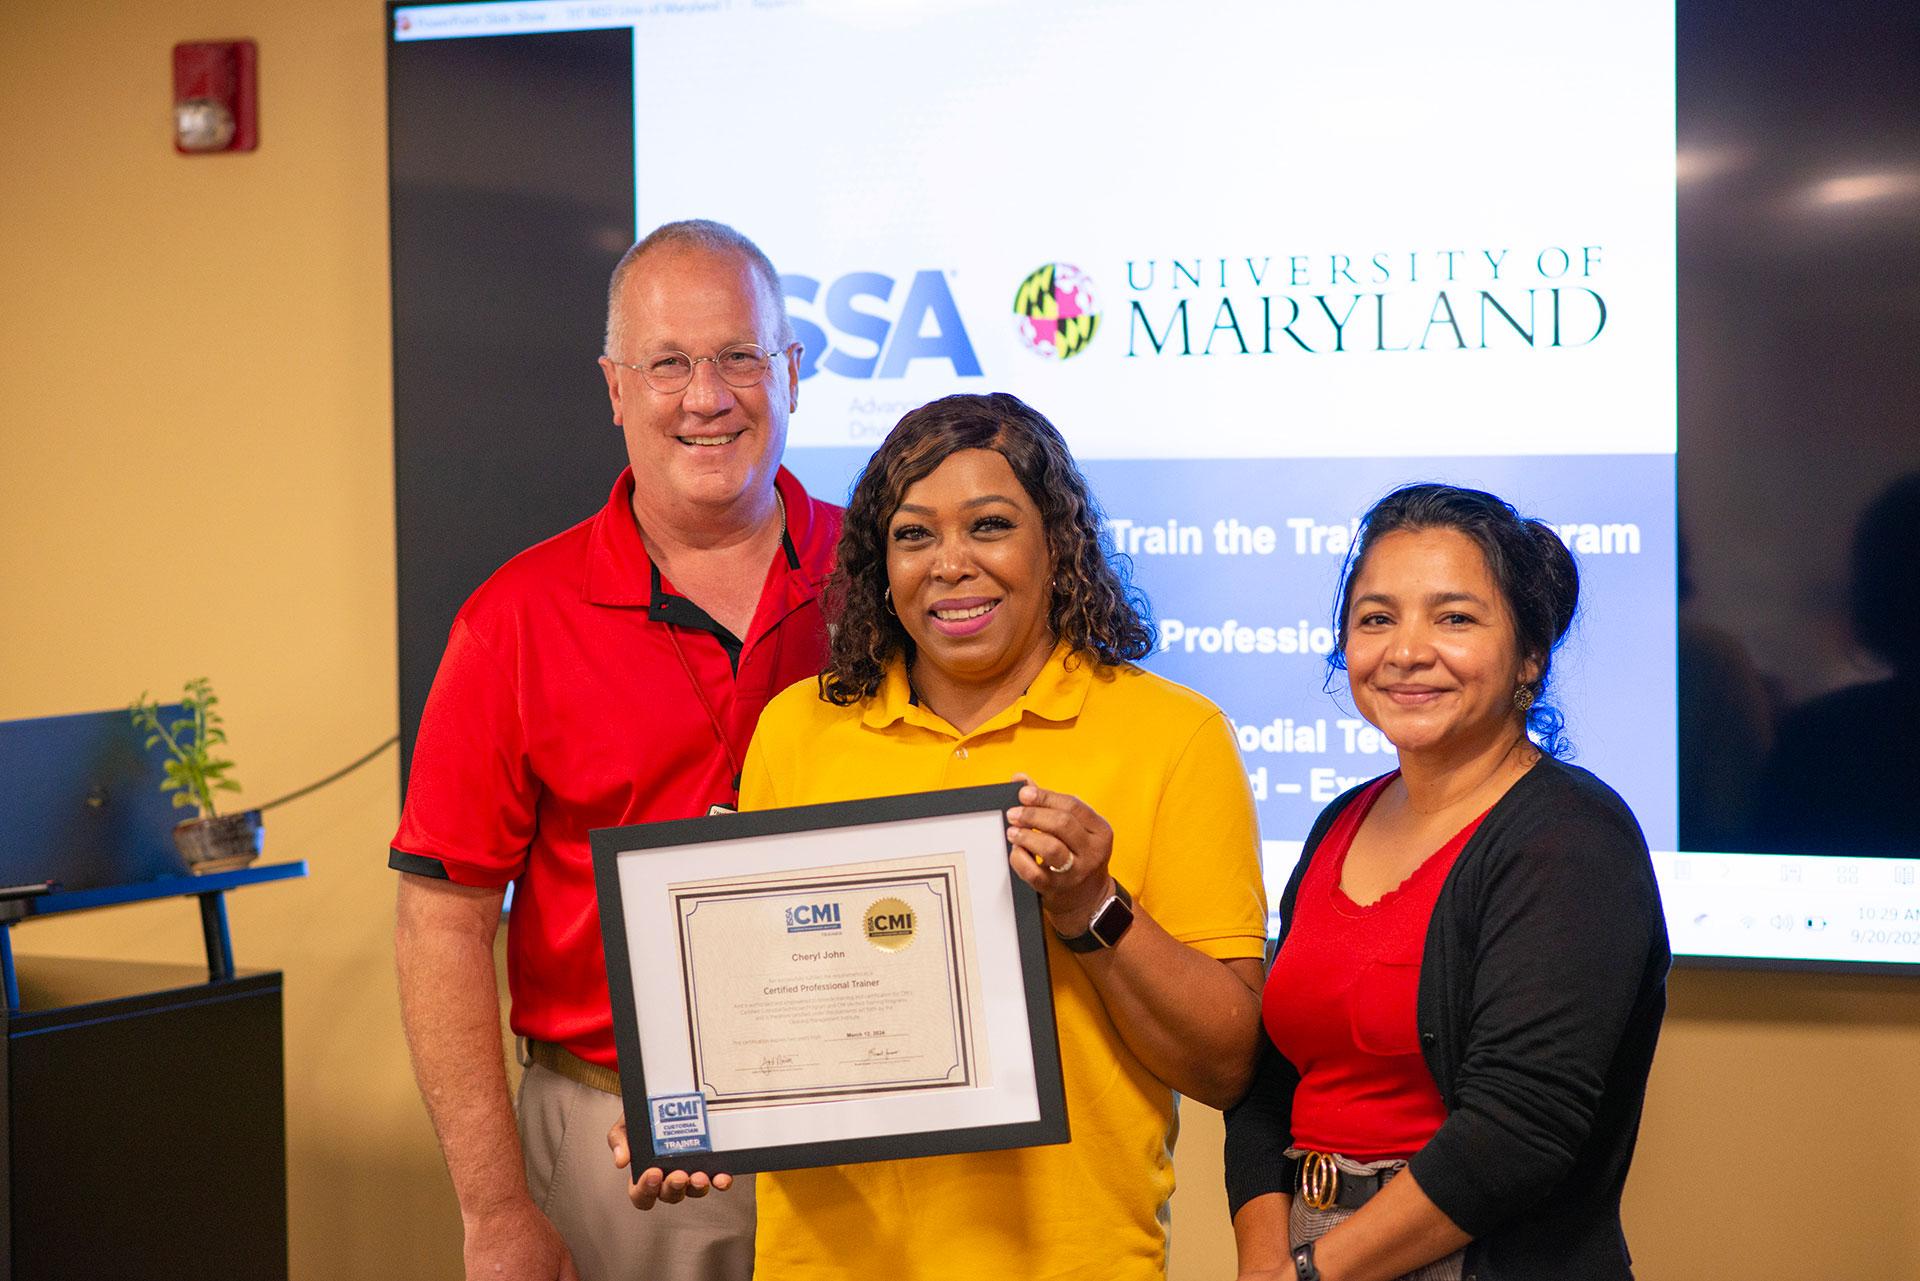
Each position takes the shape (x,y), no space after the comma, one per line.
(1260,263)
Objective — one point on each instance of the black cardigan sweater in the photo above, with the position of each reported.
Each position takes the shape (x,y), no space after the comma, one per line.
(1542,986)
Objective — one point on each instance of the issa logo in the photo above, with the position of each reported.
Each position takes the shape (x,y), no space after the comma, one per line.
(863,325)
(1055,311)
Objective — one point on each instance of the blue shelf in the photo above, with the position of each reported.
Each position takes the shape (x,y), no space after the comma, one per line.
(58,901)
(210,890)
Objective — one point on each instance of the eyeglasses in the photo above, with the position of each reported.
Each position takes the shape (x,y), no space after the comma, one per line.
(741,365)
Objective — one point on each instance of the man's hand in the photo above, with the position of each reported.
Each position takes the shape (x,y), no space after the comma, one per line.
(655,1186)
(517,1243)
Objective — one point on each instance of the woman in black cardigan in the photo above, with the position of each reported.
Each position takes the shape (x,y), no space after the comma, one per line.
(1471,998)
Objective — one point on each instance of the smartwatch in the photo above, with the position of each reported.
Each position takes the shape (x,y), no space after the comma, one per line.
(1109,922)
(1303,1265)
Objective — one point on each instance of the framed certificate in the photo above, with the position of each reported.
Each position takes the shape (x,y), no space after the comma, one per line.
(828,984)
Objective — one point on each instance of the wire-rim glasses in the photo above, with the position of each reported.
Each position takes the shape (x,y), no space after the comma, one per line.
(741,365)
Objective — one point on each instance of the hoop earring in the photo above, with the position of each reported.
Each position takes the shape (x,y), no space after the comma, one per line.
(886,598)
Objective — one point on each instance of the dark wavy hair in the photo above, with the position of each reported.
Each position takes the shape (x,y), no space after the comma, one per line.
(1095,607)
(1535,572)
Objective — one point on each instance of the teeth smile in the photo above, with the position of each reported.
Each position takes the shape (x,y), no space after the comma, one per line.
(709,440)
(960,615)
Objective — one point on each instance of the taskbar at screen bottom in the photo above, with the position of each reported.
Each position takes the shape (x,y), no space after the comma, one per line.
(1792,907)
(1761,909)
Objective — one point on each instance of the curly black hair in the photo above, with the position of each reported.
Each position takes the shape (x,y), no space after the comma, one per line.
(1095,607)
(1535,572)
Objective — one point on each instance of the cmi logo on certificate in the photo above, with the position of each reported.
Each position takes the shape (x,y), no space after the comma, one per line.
(813,918)
(679,1123)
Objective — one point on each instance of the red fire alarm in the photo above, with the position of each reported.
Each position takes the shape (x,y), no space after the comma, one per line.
(215,100)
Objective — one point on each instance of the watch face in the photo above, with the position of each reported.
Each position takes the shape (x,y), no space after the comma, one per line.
(1111,921)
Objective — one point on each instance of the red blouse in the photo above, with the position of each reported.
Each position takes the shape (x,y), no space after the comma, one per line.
(1340,1002)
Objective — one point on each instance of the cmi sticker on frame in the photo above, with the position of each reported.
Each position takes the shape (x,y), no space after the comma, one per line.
(679,1123)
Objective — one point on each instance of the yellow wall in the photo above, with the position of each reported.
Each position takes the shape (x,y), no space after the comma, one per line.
(196,478)
(201,345)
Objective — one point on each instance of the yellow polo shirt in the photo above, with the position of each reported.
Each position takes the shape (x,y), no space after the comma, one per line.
(1160,764)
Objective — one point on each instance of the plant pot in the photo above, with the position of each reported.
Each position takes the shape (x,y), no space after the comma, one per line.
(220,843)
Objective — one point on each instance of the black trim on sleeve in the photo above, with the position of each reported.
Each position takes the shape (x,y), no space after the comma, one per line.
(418,864)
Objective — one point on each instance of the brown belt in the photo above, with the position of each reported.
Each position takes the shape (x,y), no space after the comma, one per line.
(557,1058)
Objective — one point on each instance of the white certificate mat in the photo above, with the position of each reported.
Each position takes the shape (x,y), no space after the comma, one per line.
(827,984)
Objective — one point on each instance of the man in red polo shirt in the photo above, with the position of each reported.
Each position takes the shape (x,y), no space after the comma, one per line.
(609,675)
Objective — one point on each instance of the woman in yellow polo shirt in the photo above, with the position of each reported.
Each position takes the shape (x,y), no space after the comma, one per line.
(980,632)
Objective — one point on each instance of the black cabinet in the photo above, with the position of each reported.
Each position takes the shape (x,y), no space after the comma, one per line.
(144,1124)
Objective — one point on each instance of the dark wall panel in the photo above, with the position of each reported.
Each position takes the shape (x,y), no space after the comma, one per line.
(513,196)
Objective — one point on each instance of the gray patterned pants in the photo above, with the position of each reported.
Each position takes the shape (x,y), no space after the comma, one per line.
(1307,1224)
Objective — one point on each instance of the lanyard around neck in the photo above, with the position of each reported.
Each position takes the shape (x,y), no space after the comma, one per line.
(727,748)
(706,705)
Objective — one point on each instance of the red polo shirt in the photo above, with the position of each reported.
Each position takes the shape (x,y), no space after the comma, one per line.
(567,700)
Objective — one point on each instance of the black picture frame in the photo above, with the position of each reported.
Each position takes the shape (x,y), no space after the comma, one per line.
(613,845)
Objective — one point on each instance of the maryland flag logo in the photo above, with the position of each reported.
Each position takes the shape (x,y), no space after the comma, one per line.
(1055,311)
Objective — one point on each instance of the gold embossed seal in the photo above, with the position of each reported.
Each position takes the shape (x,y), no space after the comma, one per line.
(889,924)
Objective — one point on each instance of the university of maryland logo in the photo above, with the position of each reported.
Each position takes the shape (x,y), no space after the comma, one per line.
(1055,311)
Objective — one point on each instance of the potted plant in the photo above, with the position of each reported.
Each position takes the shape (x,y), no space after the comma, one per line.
(212,842)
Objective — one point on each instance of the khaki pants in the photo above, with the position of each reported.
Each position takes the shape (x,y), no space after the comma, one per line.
(563,1128)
